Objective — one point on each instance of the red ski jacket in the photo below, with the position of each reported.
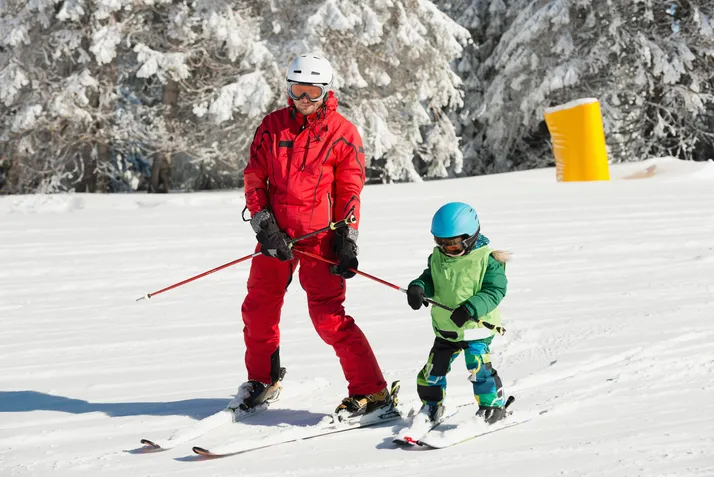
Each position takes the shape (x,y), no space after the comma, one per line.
(308,170)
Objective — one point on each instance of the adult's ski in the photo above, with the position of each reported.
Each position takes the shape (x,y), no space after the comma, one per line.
(208,424)
(330,424)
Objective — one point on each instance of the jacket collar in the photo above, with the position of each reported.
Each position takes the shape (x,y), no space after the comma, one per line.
(328,107)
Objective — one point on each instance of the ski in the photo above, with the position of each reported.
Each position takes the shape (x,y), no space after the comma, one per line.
(330,424)
(411,435)
(199,428)
(419,426)
(472,429)
(441,441)
(208,424)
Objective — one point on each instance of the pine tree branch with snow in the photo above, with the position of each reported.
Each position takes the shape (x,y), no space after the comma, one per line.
(83,86)
(649,63)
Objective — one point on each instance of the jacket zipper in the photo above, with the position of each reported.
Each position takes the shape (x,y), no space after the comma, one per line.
(307,149)
(329,209)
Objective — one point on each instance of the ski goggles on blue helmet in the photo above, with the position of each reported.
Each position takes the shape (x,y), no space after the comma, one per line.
(455,246)
(313,92)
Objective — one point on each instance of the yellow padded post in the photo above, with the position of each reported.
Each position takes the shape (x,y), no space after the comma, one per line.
(578,141)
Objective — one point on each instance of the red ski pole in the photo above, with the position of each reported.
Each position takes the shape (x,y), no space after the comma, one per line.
(371,277)
(499,329)
(333,226)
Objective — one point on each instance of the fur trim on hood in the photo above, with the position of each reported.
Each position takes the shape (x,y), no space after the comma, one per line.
(502,256)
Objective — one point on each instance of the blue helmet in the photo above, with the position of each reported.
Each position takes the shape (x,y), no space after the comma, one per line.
(453,220)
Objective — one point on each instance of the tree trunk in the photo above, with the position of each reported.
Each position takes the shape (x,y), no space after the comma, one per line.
(88,181)
(161,170)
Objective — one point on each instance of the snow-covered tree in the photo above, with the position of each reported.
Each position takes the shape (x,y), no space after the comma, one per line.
(394,76)
(648,62)
(95,92)
(122,83)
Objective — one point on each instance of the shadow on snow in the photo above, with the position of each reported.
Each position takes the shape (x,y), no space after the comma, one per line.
(27,401)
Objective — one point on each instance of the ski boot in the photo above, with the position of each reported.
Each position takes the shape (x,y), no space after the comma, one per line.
(432,413)
(493,414)
(254,393)
(361,404)
(428,417)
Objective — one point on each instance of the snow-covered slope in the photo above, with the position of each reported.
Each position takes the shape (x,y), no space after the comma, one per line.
(609,317)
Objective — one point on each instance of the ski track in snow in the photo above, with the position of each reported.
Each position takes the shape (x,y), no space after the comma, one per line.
(608,317)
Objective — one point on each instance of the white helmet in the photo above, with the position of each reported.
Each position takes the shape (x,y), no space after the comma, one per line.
(310,69)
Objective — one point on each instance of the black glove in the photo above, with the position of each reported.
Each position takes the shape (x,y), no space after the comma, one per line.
(415,297)
(273,241)
(345,247)
(460,316)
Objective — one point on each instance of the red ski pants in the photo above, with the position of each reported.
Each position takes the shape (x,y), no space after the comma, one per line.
(261,309)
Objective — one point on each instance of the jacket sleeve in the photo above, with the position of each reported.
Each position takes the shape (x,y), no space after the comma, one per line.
(425,281)
(349,175)
(255,174)
(493,290)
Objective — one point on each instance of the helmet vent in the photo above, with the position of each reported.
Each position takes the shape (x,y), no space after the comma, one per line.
(297,71)
(316,73)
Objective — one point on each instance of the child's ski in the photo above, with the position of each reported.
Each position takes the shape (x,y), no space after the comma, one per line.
(419,427)
(473,428)
(441,440)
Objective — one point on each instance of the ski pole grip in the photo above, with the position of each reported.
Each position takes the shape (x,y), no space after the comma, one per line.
(351,219)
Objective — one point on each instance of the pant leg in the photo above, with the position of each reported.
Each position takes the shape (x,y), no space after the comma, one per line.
(488,388)
(325,296)
(431,381)
(261,308)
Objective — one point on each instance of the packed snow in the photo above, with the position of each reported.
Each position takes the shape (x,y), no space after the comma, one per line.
(608,314)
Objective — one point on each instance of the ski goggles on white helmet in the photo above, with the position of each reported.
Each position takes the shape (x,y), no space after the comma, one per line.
(314,92)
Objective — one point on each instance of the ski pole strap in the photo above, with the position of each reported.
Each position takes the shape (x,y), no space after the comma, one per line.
(498,329)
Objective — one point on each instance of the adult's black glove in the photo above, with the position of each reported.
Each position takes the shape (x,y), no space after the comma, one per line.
(273,241)
(345,247)
(460,316)
(415,297)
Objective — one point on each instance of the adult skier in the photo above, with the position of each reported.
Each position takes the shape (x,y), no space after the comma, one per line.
(306,170)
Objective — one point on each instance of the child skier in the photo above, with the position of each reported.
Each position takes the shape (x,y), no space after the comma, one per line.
(464,274)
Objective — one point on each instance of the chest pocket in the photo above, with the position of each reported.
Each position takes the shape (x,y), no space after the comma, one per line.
(311,156)
(285,153)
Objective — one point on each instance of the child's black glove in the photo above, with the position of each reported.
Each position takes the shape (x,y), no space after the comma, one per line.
(415,297)
(460,316)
